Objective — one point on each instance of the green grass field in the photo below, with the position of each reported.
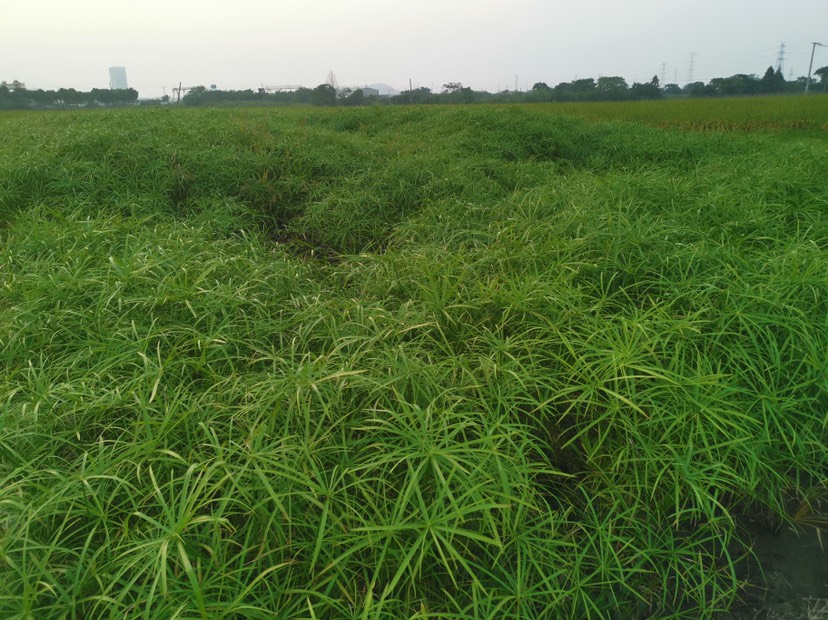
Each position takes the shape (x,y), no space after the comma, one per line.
(460,362)
(764,114)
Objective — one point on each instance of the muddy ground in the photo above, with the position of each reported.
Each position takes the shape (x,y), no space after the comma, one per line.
(793,581)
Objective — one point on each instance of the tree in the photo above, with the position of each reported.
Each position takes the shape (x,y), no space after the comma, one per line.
(452,87)
(6,100)
(540,92)
(195,96)
(577,90)
(98,96)
(672,90)
(768,81)
(356,97)
(695,89)
(69,96)
(583,89)
(822,72)
(650,90)
(799,85)
(324,94)
(611,88)
(422,94)
(455,92)
(739,84)
(772,81)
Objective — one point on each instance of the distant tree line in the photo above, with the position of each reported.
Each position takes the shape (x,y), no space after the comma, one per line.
(611,88)
(322,95)
(20,98)
(772,82)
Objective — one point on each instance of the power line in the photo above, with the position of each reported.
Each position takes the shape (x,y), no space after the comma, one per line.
(753,53)
(751,61)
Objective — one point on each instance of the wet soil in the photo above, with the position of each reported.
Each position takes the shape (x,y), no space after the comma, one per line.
(790,579)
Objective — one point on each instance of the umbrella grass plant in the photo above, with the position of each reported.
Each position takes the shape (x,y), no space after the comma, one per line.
(402,363)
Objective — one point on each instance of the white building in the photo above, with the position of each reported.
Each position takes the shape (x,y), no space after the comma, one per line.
(117,78)
(15,85)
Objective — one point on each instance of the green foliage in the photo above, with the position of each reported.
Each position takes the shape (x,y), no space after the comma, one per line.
(21,98)
(324,94)
(195,96)
(773,81)
(764,114)
(611,88)
(822,72)
(467,362)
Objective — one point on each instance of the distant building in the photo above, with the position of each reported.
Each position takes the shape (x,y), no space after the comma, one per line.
(117,78)
(369,92)
(15,85)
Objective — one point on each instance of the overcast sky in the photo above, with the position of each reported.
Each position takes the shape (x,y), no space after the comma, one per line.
(486,44)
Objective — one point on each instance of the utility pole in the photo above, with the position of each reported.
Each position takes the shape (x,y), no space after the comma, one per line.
(811,66)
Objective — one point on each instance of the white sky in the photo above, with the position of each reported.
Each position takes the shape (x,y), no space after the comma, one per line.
(485,44)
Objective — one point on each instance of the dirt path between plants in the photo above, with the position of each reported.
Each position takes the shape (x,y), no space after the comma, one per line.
(795,581)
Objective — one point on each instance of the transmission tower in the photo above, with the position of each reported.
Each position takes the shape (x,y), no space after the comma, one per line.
(780,58)
(663,74)
(690,67)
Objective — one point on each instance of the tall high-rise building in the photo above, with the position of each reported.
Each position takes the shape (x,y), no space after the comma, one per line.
(117,78)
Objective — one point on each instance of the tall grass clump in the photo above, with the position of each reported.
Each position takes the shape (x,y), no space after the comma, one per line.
(391,363)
